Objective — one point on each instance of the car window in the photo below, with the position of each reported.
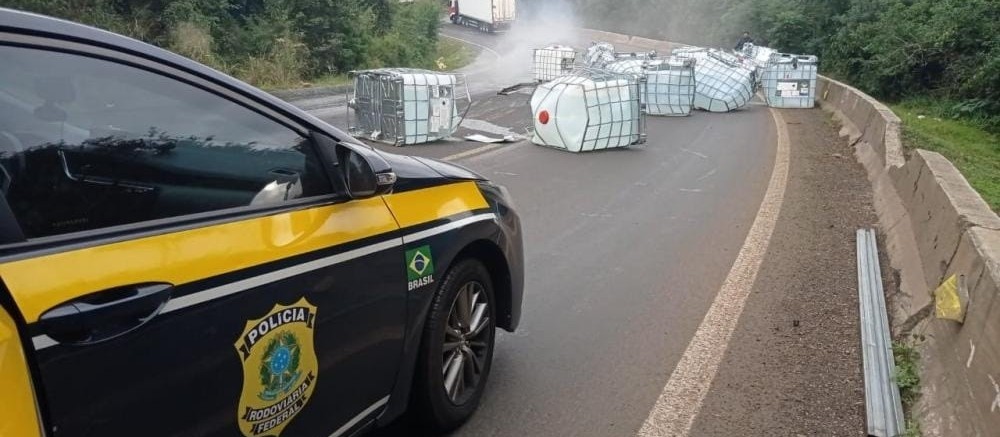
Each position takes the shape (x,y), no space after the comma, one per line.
(87,143)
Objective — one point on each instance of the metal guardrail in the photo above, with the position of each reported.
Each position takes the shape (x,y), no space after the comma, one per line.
(882,401)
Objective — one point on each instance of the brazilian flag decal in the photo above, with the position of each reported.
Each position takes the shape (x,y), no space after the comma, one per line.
(419,267)
(279,368)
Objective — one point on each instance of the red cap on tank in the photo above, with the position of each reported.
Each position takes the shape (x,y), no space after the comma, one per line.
(543,117)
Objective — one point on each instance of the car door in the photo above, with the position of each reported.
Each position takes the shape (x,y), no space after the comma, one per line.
(183,261)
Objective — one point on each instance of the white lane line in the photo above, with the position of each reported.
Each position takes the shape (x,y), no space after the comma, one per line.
(700,155)
(682,397)
(465,41)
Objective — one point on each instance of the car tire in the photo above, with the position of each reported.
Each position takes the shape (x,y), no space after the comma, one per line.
(457,342)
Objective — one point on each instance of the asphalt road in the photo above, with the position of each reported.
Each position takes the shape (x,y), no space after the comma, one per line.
(625,250)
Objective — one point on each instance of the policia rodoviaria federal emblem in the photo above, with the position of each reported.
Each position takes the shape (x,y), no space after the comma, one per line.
(279,368)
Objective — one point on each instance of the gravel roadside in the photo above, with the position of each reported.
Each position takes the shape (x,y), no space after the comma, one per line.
(793,367)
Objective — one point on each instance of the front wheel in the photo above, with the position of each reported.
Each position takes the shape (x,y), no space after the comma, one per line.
(456,348)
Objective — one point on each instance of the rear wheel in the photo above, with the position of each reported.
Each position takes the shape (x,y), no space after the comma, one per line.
(457,348)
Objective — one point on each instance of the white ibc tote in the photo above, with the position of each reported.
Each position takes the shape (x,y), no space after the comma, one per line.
(790,81)
(722,84)
(553,61)
(668,88)
(408,106)
(588,110)
(761,55)
(759,58)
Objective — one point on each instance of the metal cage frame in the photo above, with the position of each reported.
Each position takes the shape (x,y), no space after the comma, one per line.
(792,69)
(709,87)
(385,106)
(602,130)
(547,64)
(660,95)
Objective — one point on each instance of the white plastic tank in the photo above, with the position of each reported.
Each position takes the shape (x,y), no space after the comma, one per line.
(722,84)
(668,85)
(553,61)
(588,110)
(757,58)
(790,81)
(762,56)
(407,106)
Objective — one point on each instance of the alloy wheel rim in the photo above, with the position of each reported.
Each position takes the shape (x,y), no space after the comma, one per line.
(466,342)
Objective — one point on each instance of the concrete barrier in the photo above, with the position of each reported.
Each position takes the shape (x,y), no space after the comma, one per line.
(935,225)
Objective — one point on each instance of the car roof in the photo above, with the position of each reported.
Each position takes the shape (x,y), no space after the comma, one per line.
(14,21)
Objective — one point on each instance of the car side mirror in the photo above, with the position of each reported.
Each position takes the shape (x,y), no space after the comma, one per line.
(364,171)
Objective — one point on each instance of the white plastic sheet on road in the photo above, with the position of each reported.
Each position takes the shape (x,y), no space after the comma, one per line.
(553,61)
(667,87)
(722,83)
(588,110)
(407,106)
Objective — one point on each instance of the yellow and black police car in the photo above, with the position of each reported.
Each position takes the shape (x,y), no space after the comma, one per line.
(182,254)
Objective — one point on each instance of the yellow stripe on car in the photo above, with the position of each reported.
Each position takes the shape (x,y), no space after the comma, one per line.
(18,416)
(38,284)
(421,206)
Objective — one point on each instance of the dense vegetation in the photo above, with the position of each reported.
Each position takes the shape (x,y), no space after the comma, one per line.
(269,42)
(947,50)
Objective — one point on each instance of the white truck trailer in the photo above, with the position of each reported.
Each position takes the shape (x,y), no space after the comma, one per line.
(485,15)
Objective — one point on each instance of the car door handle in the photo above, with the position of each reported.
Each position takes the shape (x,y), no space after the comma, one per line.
(105,315)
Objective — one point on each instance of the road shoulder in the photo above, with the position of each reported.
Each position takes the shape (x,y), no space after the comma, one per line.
(793,366)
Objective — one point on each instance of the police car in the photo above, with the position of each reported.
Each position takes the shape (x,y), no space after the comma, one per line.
(182,254)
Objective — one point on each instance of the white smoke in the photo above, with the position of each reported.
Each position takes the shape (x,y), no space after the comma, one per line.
(545,24)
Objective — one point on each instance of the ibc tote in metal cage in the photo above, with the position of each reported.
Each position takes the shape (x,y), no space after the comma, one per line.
(722,84)
(669,86)
(588,110)
(553,61)
(790,81)
(758,57)
(408,106)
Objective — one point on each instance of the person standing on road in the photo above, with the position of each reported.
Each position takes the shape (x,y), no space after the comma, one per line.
(743,41)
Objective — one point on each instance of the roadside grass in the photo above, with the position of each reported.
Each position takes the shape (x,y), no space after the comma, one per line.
(975,151)
(452,55)
(908,379)
(331,80)
(913,429)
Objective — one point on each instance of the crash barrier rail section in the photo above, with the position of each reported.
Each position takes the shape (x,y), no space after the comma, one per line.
(789,81)
(882,402)
(936,226)
(589,110)
(669,85)
(408,106)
